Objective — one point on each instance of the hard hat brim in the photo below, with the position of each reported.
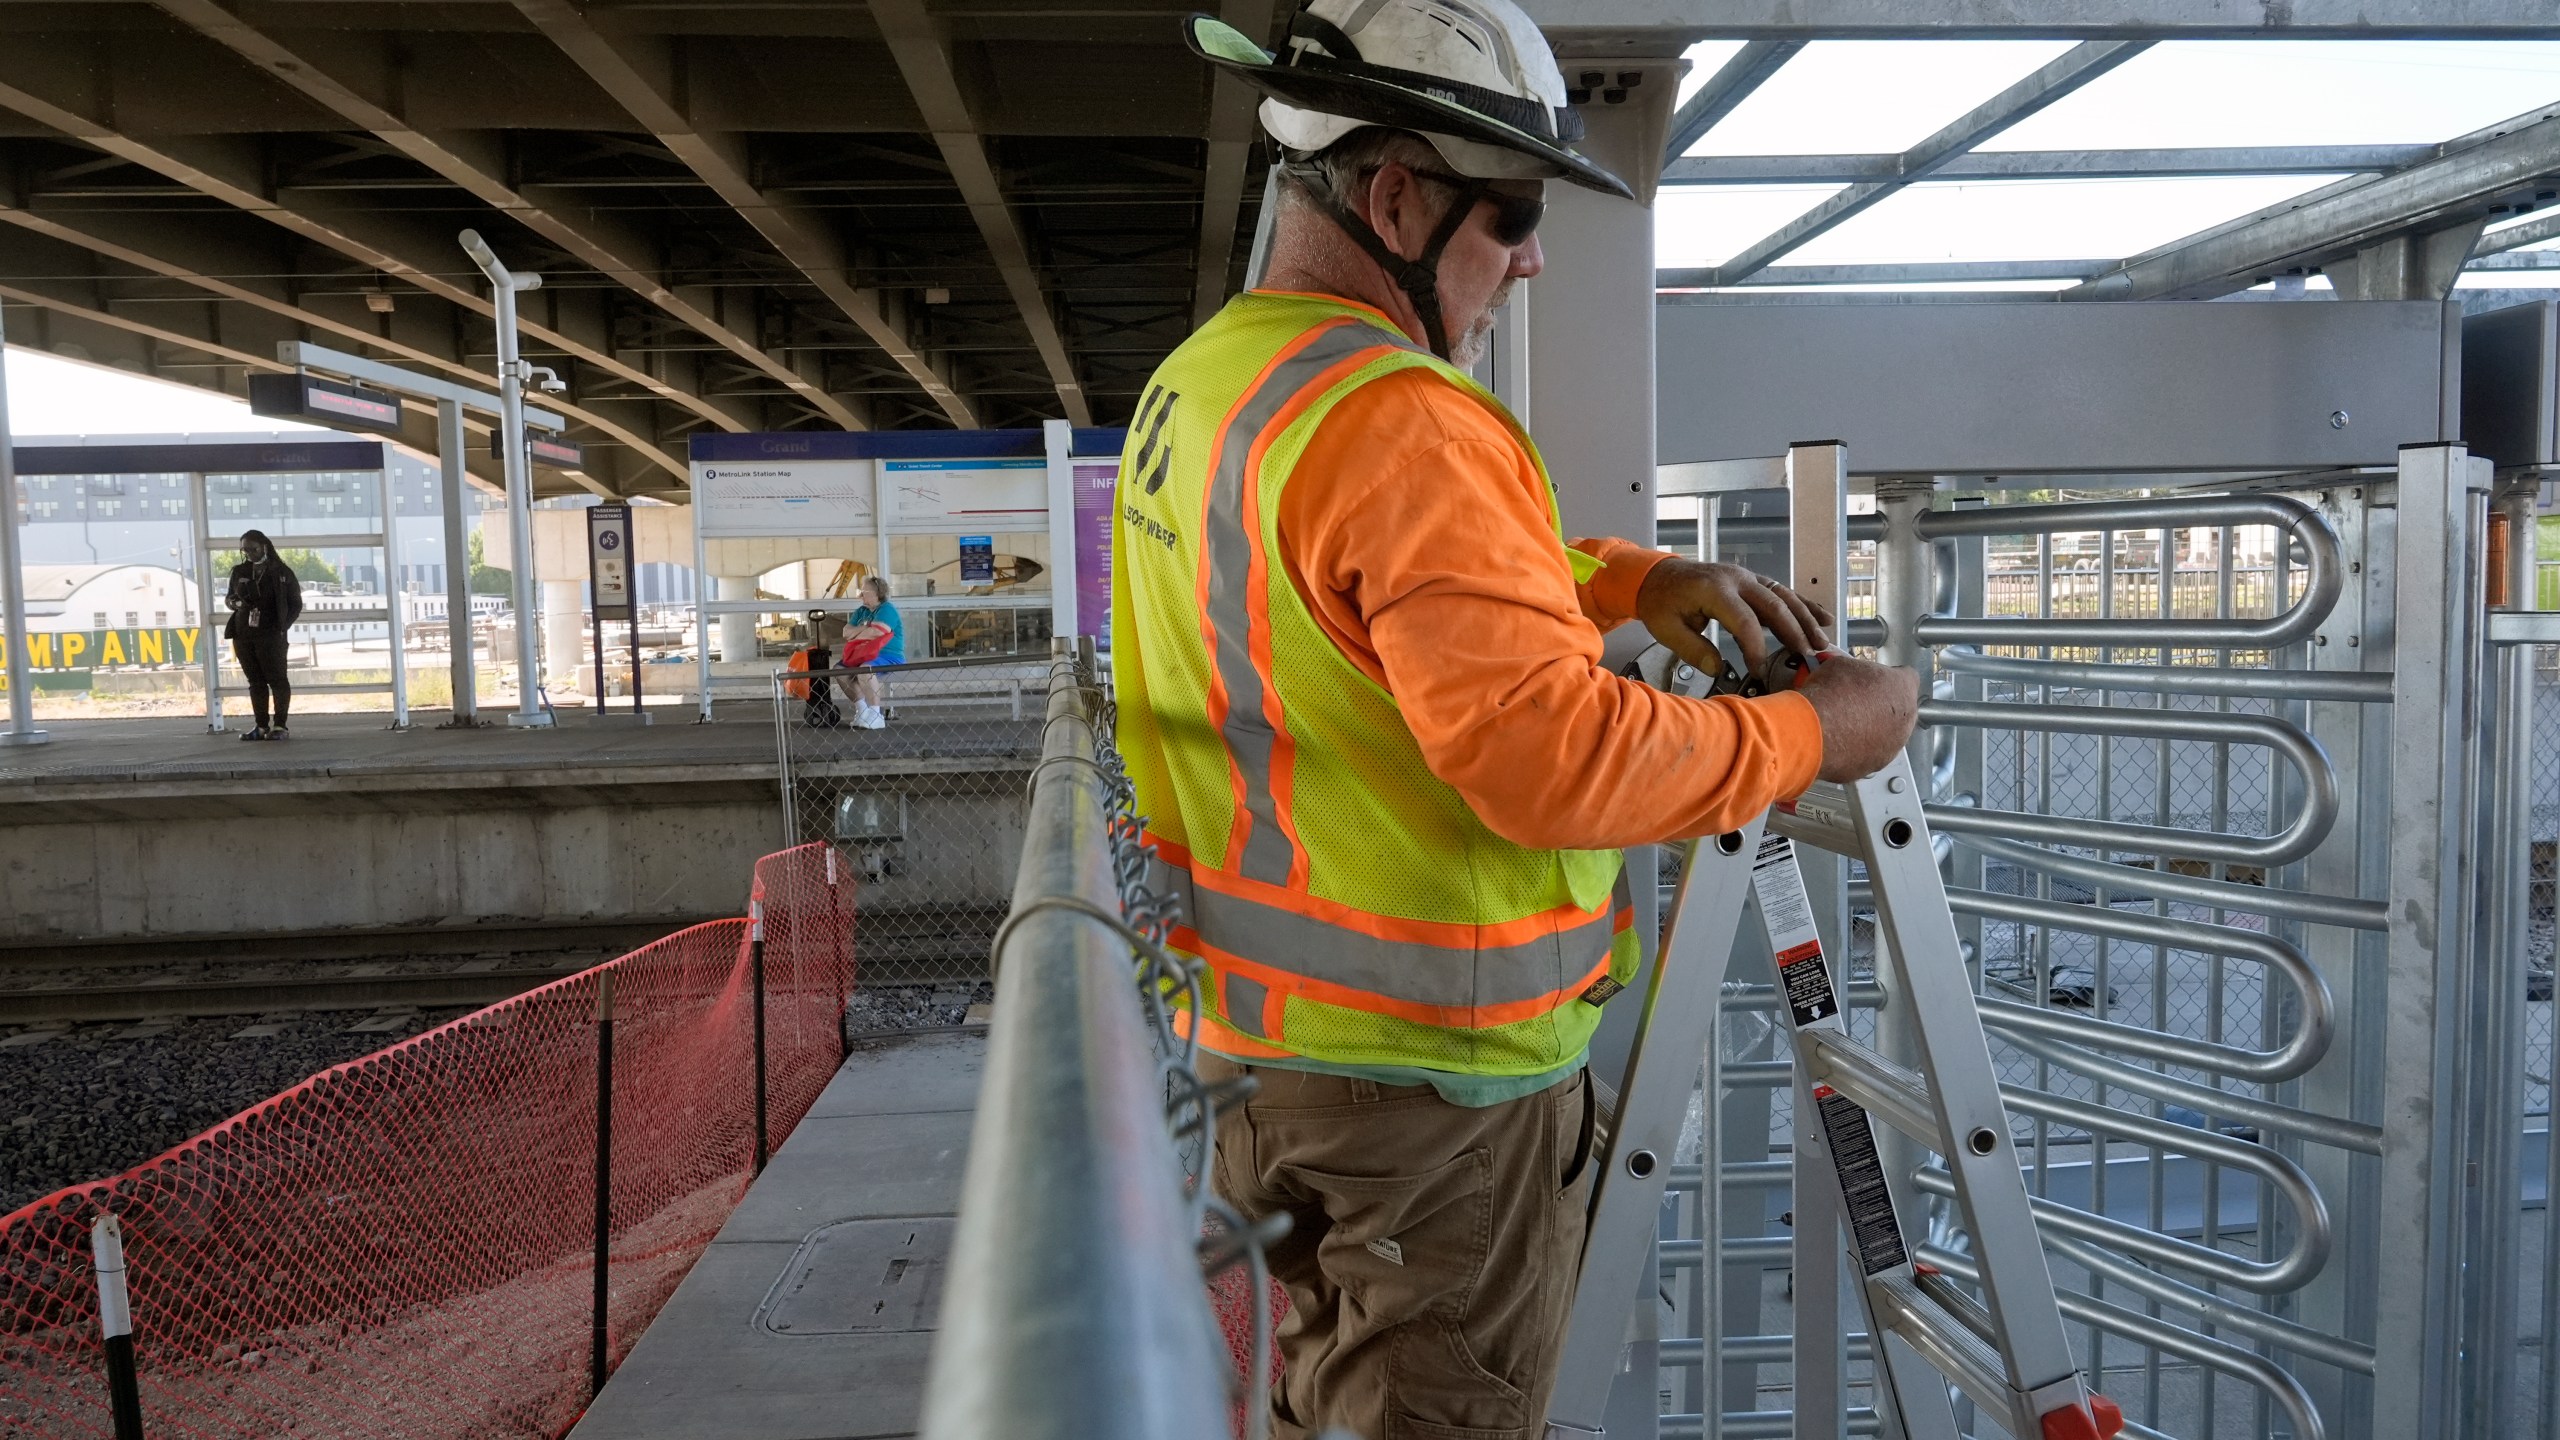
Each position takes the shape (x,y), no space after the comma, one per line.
(1379,102)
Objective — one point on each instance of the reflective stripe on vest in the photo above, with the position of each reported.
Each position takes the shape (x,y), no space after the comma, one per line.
(1244,709)
(1463,976)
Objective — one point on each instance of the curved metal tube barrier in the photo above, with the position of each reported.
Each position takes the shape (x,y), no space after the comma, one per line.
(2298,839)
(2308,1125)
(2294,1269)
(2165,885)
(2300,1051)
(2168,1339)
(2324,573)
(2367,687)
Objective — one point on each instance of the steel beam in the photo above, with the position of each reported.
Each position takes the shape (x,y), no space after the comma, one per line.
(2053,80)
(924,58)
(640,74)
(111,338)
(2475,177)
(1231,131)
(2048,164)
(1933,272)
(2516,237)
(476,162)
(1673,23)
(1732,84)
(53,88)
(249,275)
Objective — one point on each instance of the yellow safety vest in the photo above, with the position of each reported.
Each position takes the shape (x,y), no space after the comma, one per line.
(1349,905)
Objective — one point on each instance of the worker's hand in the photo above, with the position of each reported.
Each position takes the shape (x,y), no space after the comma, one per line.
(1867,711)
(1679,597)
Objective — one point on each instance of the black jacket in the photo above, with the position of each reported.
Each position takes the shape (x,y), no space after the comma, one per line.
(265,598)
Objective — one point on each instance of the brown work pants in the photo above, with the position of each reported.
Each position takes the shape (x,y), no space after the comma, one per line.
(1433,1251)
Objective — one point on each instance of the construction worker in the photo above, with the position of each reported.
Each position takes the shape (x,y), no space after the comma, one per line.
(1361,697)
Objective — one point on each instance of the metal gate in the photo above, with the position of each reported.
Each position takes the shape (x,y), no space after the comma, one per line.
(2245,825)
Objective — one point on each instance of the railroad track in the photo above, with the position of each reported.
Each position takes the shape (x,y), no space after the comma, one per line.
(180,996)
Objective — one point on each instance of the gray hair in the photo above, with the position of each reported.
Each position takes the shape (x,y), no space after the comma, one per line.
(1340,172)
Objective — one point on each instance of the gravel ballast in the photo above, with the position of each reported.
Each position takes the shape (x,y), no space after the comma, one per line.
(89,1101)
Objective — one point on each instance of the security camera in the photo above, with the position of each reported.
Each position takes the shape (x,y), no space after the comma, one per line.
(549,381)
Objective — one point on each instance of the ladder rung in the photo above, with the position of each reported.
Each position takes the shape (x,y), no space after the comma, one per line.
(1814,826)
(1891,1093)
(1948,1343)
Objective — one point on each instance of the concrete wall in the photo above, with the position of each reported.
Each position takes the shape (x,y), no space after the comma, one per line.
(304,870)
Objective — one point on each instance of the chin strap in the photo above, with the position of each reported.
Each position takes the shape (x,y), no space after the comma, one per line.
(1418,278)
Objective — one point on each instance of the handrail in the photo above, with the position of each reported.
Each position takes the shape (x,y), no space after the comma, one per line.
(2324,574)
(2310,826)
(1074,1304)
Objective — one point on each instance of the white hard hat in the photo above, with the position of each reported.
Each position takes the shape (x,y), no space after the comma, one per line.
(1473,77)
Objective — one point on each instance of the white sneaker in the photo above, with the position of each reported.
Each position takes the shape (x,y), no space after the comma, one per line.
(869,717)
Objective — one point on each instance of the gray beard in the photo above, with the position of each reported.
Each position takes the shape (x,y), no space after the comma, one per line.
(1466,351)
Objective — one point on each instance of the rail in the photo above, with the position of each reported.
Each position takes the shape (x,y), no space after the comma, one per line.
(1075,1304)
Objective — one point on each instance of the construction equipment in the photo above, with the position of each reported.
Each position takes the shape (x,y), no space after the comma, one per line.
(2005,1349)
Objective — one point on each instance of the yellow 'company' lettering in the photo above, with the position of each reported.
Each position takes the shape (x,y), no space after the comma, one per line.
(40,651)
(74,645)
(187,638)
(110,648)
(151,647)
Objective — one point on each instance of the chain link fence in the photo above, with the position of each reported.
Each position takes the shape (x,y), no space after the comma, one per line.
(915,774)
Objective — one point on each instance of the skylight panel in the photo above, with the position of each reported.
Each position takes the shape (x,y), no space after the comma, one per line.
(1707,225)
(2296,92)
(2044,219)
(1869,96)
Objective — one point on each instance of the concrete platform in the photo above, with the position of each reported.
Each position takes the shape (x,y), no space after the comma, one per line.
(810,1315)
(130,831)
(162,765)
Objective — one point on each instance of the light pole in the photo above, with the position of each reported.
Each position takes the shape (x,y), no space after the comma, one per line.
(519,470)
(13,587)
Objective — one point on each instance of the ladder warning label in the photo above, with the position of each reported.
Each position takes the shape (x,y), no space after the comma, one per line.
(1852,1140)
(1788,915)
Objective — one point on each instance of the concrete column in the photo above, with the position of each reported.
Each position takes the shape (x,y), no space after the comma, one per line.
(737,632)
(1589,375)
(564,642)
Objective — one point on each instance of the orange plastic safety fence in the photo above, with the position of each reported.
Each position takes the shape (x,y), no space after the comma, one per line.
(403,1246)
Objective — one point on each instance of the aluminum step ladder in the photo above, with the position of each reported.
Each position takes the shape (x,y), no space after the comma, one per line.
(2005,1351)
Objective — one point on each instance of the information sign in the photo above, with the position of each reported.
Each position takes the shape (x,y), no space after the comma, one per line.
(315,401)
(944,494)
(783,495)
(977,559)
(609,560)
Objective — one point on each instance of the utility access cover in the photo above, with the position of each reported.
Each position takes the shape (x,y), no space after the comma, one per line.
(858,1277)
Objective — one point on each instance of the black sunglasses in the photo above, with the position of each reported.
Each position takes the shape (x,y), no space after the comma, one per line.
(1515,217)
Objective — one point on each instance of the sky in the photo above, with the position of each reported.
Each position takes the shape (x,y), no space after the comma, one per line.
(1867,97)
(1858,97)
(49,395)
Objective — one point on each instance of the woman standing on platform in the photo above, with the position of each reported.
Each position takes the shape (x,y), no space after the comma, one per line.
(874,635)
(265,599)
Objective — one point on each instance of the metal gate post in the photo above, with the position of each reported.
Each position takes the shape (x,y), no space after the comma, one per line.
(209,641)
(461,660)
(2494,993)
(2442,516)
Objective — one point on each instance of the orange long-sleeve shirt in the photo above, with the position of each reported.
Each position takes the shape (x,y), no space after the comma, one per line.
(1416,529)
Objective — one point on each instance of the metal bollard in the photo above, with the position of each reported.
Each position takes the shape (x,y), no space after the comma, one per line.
(755,950)
(115,1321)
(604,1180)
